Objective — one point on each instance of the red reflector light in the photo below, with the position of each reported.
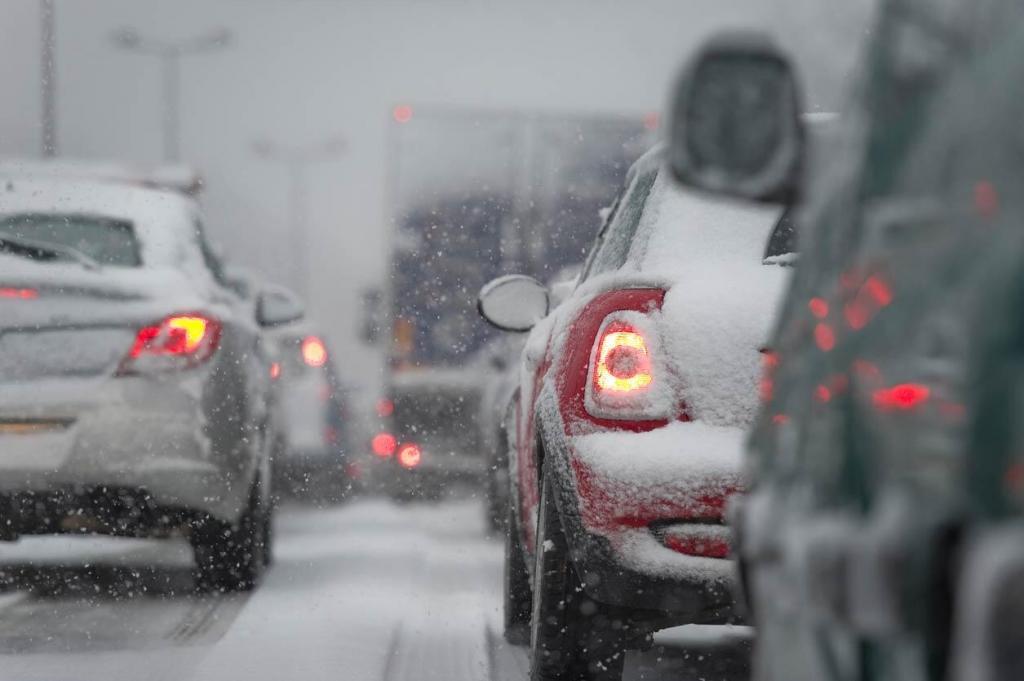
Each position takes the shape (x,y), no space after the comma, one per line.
(385,407)
(383,444)
(902,397)
(623,363)
(708,541)
(314,353)
(19,293)
(409,455)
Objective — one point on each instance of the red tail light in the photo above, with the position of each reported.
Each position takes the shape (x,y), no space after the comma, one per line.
(383,444)
(611,373)
(409,455)
(177,342)
(385,407)
(623,362)
(902,397)
(314,353)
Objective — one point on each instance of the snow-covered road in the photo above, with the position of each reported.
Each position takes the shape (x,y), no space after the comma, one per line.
(365,591)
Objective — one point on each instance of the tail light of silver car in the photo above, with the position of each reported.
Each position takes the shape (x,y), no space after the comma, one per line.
(179,341)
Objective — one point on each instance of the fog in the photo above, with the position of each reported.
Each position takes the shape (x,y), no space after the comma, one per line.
(302,71)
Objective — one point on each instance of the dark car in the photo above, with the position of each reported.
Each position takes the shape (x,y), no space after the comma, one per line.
(882,535)
(313,454)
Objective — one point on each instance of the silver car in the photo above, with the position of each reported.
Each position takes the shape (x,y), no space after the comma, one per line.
(133,387)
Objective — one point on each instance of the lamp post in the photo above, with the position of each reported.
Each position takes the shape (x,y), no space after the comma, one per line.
(169,55)
(297,161)
(49,79)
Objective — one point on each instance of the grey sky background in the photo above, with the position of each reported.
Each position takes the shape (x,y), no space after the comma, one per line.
(298,70)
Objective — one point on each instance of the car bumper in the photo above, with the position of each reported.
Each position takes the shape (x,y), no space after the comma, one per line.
(144,435)
(620,496)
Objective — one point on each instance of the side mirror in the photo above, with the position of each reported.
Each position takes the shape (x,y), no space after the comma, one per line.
(514,302)
(278,306)
(735,126)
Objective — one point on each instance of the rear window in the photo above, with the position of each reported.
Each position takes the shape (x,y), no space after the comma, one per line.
(108,241)
(613,247)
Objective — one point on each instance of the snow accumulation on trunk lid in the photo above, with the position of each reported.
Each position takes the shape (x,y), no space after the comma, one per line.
(61,320)
(718,310)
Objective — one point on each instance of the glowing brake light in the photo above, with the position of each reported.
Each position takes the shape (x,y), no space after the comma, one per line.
(314,353)
(409,455)
(385,407)
(623,362)
(902,397)
(383,444)
(176,342)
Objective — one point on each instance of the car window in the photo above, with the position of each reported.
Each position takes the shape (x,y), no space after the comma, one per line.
(108,241)
(613,247)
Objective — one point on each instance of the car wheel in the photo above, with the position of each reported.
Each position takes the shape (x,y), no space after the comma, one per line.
(571,637)
(233,557)
(518,599)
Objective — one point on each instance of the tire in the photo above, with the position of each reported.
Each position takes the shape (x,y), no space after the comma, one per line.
(572,638)
(518,600)
(232,558)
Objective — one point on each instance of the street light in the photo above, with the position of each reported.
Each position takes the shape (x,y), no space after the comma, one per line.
(297,160)
(170,55)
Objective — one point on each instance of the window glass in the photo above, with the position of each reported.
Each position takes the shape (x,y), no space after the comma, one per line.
(613,248)
(106,240)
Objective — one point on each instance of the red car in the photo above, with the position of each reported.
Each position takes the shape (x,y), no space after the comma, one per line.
(634,397)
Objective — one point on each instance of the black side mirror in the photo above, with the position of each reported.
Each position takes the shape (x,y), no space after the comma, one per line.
(735,126)
(277,306)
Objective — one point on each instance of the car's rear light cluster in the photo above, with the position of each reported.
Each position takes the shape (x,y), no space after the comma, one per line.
(314,352)
(176,342)
(613,373)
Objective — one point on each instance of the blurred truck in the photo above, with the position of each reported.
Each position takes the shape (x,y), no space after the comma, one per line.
(476,194)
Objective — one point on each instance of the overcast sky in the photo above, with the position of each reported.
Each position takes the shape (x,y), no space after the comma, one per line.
(301,70)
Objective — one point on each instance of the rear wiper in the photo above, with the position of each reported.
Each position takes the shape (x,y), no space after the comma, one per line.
(30,248)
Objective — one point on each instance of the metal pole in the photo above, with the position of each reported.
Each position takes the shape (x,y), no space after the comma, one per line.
(49,80)
(170,67)
(297,208)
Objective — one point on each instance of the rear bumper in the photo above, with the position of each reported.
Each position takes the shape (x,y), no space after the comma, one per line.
(148,436)
(617,491)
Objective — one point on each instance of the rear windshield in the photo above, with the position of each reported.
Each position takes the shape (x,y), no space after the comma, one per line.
(108,241)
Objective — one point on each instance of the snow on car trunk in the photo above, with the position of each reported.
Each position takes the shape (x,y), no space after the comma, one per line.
(717,313)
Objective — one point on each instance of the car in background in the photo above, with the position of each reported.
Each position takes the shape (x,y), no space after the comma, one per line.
(634,399)
(134,390)
(499,366)
(313,453)
(882,536)
(498,361)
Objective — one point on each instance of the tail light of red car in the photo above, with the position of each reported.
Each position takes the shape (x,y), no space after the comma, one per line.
(180,341)
(613,372)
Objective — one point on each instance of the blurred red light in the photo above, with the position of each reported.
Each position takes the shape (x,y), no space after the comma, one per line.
(824,337)
(652,120)
(383,444)
(409,455)
(21,293)
(314,353)
(385,407)
(402,113)
(818,307)
(903,397)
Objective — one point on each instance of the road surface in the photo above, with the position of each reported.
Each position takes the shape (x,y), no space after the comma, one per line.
(366,591)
